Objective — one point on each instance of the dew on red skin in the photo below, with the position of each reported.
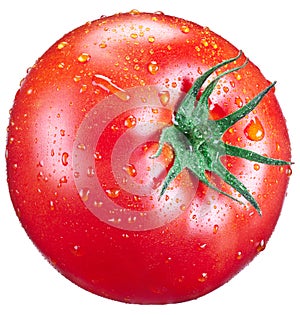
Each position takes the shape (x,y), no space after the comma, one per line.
(153,67)
(164,97)
(254,131)
(84,57)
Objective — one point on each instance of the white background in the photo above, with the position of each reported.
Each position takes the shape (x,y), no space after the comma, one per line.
(268,32)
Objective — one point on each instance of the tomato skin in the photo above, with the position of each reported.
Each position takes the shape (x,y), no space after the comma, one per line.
(214,237)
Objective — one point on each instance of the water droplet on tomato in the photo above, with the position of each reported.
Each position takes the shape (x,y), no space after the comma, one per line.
(164,97)
(40,164)
(61,45)
(29,91)
(52,207)
(42,176)
(84,194)
(203,277)
(130,121)
(261,246)
(183,207)
(90,171)
(256,166)
(130,170)
(134,35)
(204,42)
(81,146)
(151,39)
(134,12)
(102,45)
(153,67)
(77,78)
(238,76)
(97,156)
(289,171)
(84,57)
(185,29)
(226,89)
(63,180)
(239,255)
(76,250)
(254,130)
(238,101)
(64,159)
(106,84)
(215,229)
(83,88)
(98,204)
(277,147)
(113,193)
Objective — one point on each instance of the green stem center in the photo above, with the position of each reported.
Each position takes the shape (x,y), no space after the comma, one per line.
(197,140)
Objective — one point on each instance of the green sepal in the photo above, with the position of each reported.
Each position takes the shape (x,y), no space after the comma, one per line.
(197,140)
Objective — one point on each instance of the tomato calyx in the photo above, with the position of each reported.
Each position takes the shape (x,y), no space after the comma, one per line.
(197,140)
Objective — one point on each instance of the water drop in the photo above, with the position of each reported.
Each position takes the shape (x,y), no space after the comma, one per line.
(134,35)
(261,246)
(130,170)
(102,45)
(256,167)
(64,159)
(61,45)
(77,78)
(203,277)
(97,156)
(130,121)
(153,67)
(289,171)
(238,76)
(183,207)
(239,255)
(90,171)
(98,204)
(204,42)
(226,89)
(42,176)
(113,193)
(185,29)
(277,147)
(134,12)
(63,180)
(84,194)
(164,97)
(215,229)
(84,57)
(76,250)
(52,207)
(106,84)
(81,146)
(40,164)
(151,39)
(83,88)
(254,130)
(238,101)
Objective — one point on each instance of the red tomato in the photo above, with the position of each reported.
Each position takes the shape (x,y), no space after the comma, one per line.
(103,158)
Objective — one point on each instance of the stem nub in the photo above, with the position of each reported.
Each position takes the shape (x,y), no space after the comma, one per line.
(197,140)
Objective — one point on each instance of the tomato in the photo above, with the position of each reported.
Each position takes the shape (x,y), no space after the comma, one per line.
(147,158)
